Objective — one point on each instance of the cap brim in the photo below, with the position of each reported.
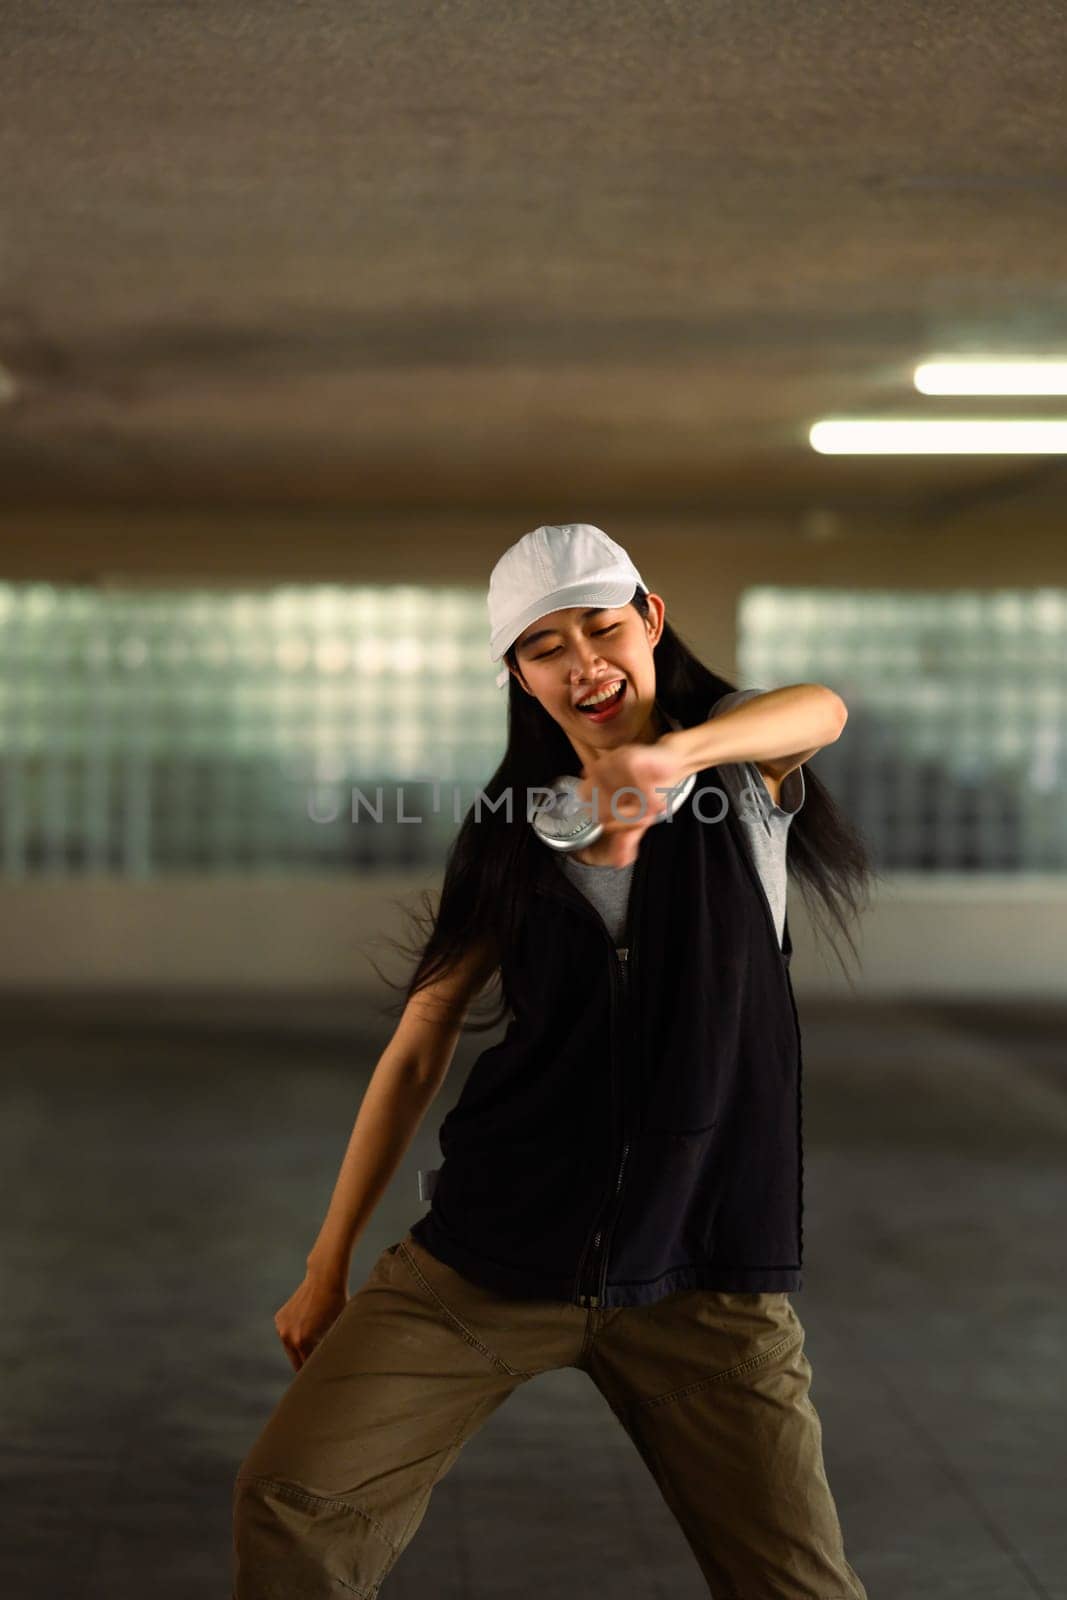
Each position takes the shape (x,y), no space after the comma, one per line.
(613,592)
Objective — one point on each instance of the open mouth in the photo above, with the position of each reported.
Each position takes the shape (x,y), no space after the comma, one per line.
(604,706)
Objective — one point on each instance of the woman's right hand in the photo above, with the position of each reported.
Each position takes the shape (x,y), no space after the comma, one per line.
(307,1316)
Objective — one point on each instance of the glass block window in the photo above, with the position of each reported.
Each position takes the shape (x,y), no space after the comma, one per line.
(143,731)
(952,759)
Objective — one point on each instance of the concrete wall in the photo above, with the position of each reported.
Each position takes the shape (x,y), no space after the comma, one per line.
(922,936)
(950,937)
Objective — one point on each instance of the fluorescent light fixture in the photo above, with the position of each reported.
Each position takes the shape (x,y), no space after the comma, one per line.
(940,436)
(991,377)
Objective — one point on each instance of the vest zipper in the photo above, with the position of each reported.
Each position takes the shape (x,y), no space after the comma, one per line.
(592,1251)
(609,1226)
(589,1290)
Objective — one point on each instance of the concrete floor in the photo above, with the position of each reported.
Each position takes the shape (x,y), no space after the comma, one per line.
(168,1162)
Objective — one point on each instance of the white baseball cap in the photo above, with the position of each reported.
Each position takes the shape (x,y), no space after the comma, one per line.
(557,565)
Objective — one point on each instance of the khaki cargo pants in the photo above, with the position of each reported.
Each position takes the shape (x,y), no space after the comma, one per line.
(711,1387)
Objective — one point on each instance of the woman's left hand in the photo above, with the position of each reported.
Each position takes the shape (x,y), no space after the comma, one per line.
(650,769)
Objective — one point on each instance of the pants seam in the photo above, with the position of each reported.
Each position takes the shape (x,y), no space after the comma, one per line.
(666,1478)
(421,1504)
(753,1362)
(458,1324)
(296,1491)
(588,1335)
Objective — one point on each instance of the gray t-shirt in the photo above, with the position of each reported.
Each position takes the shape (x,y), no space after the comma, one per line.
(766,826)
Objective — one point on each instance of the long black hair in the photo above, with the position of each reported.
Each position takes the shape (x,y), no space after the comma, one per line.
(489,864)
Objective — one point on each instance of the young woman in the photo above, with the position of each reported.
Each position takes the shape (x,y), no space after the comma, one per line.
(622,1182)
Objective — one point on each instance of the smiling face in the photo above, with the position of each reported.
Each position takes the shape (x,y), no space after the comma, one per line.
(571,655)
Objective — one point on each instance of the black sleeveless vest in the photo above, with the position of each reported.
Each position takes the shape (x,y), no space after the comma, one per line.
(637,1130)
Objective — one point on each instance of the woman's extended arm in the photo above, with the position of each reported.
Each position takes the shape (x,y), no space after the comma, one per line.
(408,1075)
(406,1079)
(778,730)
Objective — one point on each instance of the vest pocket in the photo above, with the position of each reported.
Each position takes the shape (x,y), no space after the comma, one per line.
(669,1201)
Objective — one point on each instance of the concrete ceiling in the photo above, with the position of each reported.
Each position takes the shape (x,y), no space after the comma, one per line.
(570,256)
